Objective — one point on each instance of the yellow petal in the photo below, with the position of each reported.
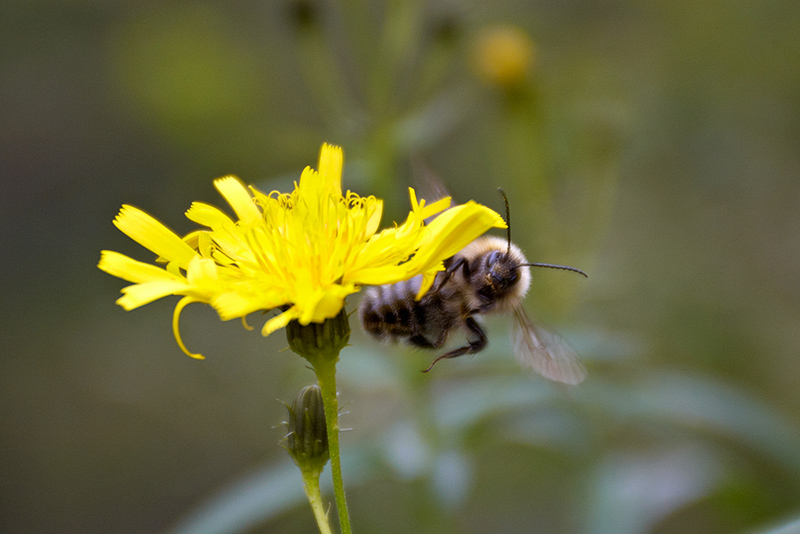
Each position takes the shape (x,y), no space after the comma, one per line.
(237,195)
(230,305)
(427,210)
(153,235)
(278,322)
(208,215)
(323,303)
(202,271)
(436,207)
(141,294)
(376,276)
(427,281)
(331,303)
(331,161)
(453,230)
(122,266)
(374,221)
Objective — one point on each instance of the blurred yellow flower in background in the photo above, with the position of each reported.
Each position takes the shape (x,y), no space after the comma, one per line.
(503,55)
(302,252)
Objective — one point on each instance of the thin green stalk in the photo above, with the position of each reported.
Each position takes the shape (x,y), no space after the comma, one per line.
(325,368)
(311,482)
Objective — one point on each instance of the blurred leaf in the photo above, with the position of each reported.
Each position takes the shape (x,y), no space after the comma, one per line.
(406,450)
(246,502)
(703,404)
(792,526)
(462,403)
(259,496)
(630,493)
(452,477)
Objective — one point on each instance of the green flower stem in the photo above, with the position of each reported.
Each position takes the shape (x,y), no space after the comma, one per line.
(325,369)
(320,344)
(311,483)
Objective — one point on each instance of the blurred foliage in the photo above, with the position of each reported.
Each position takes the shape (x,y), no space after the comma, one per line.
(653,144)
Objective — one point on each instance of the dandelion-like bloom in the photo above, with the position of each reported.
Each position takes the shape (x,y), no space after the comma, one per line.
(503,55)
(302,252)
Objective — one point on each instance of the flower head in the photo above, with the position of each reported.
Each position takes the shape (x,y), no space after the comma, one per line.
(503,55)
(301,252)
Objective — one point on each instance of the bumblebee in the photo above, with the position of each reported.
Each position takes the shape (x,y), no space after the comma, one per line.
(490,275)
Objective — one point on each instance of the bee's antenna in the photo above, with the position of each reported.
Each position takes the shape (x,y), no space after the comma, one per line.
(508,220)
(552,266)
(508,250)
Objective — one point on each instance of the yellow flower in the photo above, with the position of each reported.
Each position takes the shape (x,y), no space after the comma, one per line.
(302,252)
(503,55)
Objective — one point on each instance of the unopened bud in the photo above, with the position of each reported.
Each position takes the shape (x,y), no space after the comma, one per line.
(307,437)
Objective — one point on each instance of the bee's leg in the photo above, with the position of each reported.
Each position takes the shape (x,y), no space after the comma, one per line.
(477,342)
(452,268)
(418,338)
(421,341)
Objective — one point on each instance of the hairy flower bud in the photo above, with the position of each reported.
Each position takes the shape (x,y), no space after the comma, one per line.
(307,436)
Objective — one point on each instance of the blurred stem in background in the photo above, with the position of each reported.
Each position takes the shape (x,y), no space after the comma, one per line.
(566,174)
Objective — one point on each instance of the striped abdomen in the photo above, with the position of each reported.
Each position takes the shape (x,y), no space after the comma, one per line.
(391,312)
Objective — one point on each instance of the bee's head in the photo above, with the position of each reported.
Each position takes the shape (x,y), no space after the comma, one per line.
(505,271)
(500,275)
(502,271)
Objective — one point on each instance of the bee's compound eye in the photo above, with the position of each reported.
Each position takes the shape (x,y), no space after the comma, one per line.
(493,258)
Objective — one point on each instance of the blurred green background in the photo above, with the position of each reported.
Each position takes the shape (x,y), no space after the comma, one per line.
(654,144)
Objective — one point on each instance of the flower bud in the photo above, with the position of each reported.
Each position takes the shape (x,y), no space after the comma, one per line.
(307,437)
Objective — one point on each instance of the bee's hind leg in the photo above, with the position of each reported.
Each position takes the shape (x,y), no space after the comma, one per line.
(421,341)
(477,342)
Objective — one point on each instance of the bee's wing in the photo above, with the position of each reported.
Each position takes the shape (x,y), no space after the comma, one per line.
(427,183)
(545,353)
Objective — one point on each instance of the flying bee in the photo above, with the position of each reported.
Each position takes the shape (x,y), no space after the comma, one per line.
(490,275)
